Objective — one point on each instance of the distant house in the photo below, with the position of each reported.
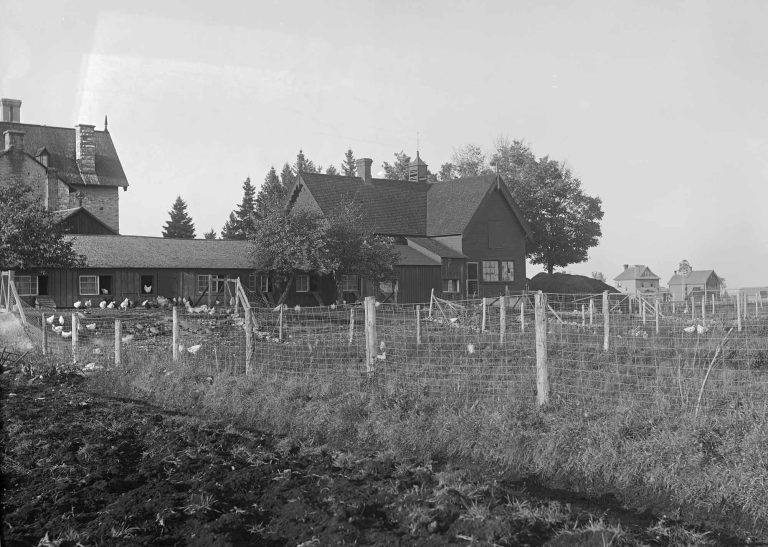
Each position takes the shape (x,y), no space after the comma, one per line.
(698,282)
(140,268)
(755,294)
(638,280)
(76,171)
(461,238)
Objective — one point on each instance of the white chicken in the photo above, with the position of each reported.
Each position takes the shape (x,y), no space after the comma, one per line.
(701,329)
(690,329)
(147,289)
(57,328)
(91,326)
(103,304)
(127,338)
(111,305)
(194,349)
(124,304)
(88,303)
(50,319)
(65,334)
(61,320)
(78,304)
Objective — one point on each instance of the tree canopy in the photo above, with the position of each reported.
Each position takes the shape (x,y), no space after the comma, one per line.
(180,224)
(241,220)
(30,236)
(399,169)
(210,235)
(349,167)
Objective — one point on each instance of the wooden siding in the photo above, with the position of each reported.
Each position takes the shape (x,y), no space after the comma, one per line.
(416,283)
(81,223)
(475,242)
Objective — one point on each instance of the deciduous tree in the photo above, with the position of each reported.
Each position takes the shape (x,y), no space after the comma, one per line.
(399,169)
(180,224)
(469,161)
(30,236)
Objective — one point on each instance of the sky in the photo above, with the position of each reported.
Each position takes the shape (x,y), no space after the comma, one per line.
(659,108)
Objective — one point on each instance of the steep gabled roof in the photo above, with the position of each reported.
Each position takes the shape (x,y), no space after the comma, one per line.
(64,214)
(408,256)
(435,247)
(696,277)
(59,142)
(638,271)
(105,251)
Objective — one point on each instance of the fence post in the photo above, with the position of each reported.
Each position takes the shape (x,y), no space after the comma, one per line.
(713,305)
(280,324)
(74,338)
(502,318)
(703,309)
(542,376)
(248,339)
(370,334)
(351,325)
(606,321)
(693,308)
(656,312)
(485,307)
(418,325)
(44,331)
(119,341)
(583,316)
(175,333)
(431,300)
(641,303)
(591,311)
(522,313)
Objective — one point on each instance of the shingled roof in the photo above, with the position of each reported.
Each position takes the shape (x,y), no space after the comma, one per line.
(407,208)
(638,271)
(106,251)
(696,277)
(59,143)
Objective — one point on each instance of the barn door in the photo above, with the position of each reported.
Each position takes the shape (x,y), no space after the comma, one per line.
(167,284)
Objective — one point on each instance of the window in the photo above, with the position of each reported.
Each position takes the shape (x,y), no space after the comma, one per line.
(89,285)
(105,284)
(507,270)
(26,285)
(471,278)
(252,281)
(349,283)
(265,283)
(217,283)
(450,285)
(302,283)
(147,284)
(490,270)
(495,234)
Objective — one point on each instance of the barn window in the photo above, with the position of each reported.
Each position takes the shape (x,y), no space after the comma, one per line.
(349,283)
(147,284)
(450,285)
(217,283)
(302,283)
(495,234)
(507,270)
(490,270)
(89,285)
(26,285)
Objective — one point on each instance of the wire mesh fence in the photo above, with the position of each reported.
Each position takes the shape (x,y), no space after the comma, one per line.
(712,357)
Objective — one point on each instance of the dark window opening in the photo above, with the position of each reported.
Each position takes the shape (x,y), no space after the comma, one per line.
(42,285)
(147,284)
(105,284)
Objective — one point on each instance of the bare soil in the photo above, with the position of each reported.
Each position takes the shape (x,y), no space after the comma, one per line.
(80,468)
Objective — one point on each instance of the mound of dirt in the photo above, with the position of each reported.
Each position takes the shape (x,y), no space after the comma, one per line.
(568,284)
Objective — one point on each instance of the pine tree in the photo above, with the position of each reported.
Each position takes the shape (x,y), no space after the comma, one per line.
(331,170)
(287,177)
(303,164)
(348,167)
(210,235)
(241,221)
(180,224)
(272,193)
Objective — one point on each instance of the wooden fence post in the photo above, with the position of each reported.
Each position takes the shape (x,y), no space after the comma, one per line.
(351,326)
(74,338)
(502,318)
(703,309)
(606,321)
(175,333)
(119,341)
(431,300)
(370,335)
(641,303)
(656,312)
(713,305)
(280,324)
(44,331)
(693,308)
(248,339)
(738,310)
(591,311)
(583,316)
(485,308)
(542,375)
(522,314)
(418,325)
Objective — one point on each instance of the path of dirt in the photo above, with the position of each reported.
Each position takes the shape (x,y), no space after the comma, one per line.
(82,469)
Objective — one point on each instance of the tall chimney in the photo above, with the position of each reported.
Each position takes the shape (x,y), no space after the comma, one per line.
(626,266)
(11,110)
(85,148)
(52,190)
(363,167)
(15,139)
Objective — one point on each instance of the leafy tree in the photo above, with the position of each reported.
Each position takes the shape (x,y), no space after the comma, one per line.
(210,235)
(447,172)
(180,224)
(600,276)
(354,248)
(399,169)
(303,164)
(240,222)
(331,170)
(349,167)
(469,161)
(30,236)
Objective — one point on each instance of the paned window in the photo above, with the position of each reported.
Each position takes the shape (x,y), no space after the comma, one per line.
(26,285)
(265,283)
(507,270)
(490,270)
(302,283)
(89,285)
(217,283)
(450,285)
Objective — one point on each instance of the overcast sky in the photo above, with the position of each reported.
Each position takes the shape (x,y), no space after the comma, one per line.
(660,108)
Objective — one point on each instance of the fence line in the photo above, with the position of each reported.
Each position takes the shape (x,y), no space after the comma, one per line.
(581,348)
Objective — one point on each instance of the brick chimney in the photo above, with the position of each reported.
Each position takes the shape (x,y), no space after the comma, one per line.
(14,139)
(85,148)
(626,266)
(11,110)
(363,168)
(52,190)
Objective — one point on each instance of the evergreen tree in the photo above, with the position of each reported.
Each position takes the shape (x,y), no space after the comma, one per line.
(210,235)
(241,221)
(331,170)
(348,167)
(272,193)
(303,165)
(180,224)
(287,177)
